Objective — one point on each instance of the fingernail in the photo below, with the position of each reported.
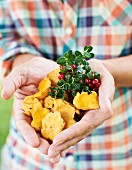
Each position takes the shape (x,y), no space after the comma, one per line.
(57,143)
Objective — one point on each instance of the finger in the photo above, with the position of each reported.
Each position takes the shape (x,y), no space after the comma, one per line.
(62,153)
(44,146)
(28,133)
(107,87)
(78,129)
(55,150)
(23,125)
(13,81)
(56,159)
(106,94)
(24,91)
(28,90)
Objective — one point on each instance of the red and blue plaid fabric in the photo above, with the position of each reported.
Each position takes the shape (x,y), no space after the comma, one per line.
(49,28)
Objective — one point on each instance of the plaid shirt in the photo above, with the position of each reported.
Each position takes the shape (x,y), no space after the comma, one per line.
(49,28)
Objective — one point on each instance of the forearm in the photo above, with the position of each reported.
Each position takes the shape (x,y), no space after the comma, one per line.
(121,70)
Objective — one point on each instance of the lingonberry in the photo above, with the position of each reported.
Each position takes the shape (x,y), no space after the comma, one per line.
(87,81)
(61,67)
(95,89)
(95,81)
(98,84)
(90,85)
(68,91)
(61,76)
(73,66)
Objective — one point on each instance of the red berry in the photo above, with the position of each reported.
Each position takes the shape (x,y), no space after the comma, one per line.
(87,81)
(61,76)
(68,91)
(98,84)
(73,66)
(90,85)
(61,67)
(95,89)
(95,81)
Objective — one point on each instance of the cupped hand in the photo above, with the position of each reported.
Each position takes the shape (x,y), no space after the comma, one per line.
(91,119)
(23,81)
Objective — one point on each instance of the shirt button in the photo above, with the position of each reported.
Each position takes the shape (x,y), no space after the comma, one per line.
(68,31)
(70,158)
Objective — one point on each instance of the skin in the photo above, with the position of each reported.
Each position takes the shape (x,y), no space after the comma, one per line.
(24,79)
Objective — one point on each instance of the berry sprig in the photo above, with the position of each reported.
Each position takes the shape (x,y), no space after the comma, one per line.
(75,75)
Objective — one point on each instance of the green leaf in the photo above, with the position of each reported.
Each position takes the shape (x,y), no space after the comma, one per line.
(67,76)
(53,88)
(79,60)
(88,55)
(86,88)
(82,85)
(68,68)
(69,87)
(87,68)
(52,94)
(61,61)
(84,76)
(92,55)
(77,79)
(80,70)
(84,62)
(70,80)
(60,93)
(97,75)
(60,83)
(66,55)
(63,70)
(90,75)
(71,59)
(76,86)
(78,53)
(79,75)
(65,87)
(74,93)
(70,52)
(88,48)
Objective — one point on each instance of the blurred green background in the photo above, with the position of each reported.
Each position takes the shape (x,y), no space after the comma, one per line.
(5,114)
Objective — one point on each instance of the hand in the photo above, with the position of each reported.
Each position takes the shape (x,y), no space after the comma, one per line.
(91,119)
(23,81)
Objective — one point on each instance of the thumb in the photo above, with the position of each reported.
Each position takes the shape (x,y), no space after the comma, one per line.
(13,81)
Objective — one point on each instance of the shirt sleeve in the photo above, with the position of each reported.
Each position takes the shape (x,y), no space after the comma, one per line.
(11,44)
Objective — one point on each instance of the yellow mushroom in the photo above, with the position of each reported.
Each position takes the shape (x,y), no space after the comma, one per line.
(85,101)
